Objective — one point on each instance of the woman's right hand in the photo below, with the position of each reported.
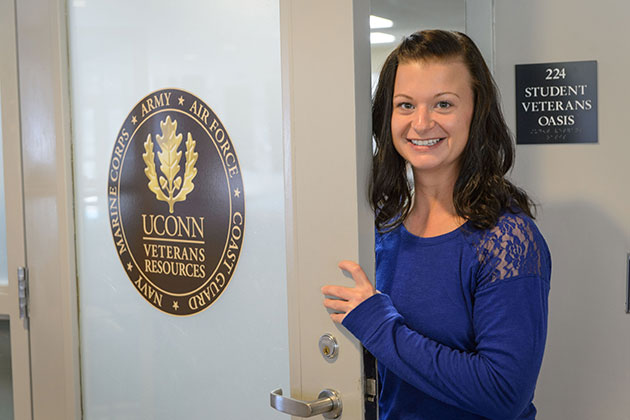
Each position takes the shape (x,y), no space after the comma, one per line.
(348,298)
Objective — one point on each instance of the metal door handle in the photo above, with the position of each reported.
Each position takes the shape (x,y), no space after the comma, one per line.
(328,404)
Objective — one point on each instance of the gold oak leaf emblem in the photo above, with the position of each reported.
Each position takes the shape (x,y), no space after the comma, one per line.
(169,186)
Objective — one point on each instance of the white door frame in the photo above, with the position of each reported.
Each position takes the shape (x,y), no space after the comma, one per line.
(16,257)
(326,107)
(48,211)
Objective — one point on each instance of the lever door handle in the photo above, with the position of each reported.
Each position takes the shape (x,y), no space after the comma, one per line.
(328,404)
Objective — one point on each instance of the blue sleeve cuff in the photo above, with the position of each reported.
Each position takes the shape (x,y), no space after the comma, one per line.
(364,320)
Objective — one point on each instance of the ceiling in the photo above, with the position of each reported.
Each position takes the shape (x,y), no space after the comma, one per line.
(412,15)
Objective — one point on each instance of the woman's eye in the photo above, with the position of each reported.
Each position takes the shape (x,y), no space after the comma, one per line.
(443,105)
(405,105)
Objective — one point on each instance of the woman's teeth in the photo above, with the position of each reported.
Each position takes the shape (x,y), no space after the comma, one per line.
(425,142)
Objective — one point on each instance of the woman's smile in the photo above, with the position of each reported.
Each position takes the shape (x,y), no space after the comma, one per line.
(426,143)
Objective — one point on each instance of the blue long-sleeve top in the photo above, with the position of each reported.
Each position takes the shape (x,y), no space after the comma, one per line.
(460,324)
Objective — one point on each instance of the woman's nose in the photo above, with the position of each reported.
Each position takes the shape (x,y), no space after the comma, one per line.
(422,121)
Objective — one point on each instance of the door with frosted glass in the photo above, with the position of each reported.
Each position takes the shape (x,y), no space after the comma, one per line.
(15,386)
(301,134)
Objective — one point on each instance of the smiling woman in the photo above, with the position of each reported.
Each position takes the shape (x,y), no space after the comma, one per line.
(432,109)
(458,318)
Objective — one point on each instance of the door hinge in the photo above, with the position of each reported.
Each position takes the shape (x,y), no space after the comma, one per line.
(370,389)
(22,273)
(370,377)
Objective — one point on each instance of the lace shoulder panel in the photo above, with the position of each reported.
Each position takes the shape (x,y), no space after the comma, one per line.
(510,249)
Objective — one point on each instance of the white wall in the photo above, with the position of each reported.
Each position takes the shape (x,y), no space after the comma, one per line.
(585,204)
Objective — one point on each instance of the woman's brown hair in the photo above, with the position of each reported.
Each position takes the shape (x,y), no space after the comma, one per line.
(481,190)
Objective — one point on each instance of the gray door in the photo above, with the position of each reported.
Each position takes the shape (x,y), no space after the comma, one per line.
(85,64)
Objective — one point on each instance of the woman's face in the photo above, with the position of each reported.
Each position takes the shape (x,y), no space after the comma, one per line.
(433,105)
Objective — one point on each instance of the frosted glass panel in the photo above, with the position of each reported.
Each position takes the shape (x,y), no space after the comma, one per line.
(137,362)
(4,278)
(6,387)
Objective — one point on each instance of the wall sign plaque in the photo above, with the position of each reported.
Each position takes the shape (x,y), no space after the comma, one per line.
(176,202)
(556,103)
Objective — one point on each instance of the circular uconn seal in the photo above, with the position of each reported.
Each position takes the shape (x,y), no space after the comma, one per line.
(176,202)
